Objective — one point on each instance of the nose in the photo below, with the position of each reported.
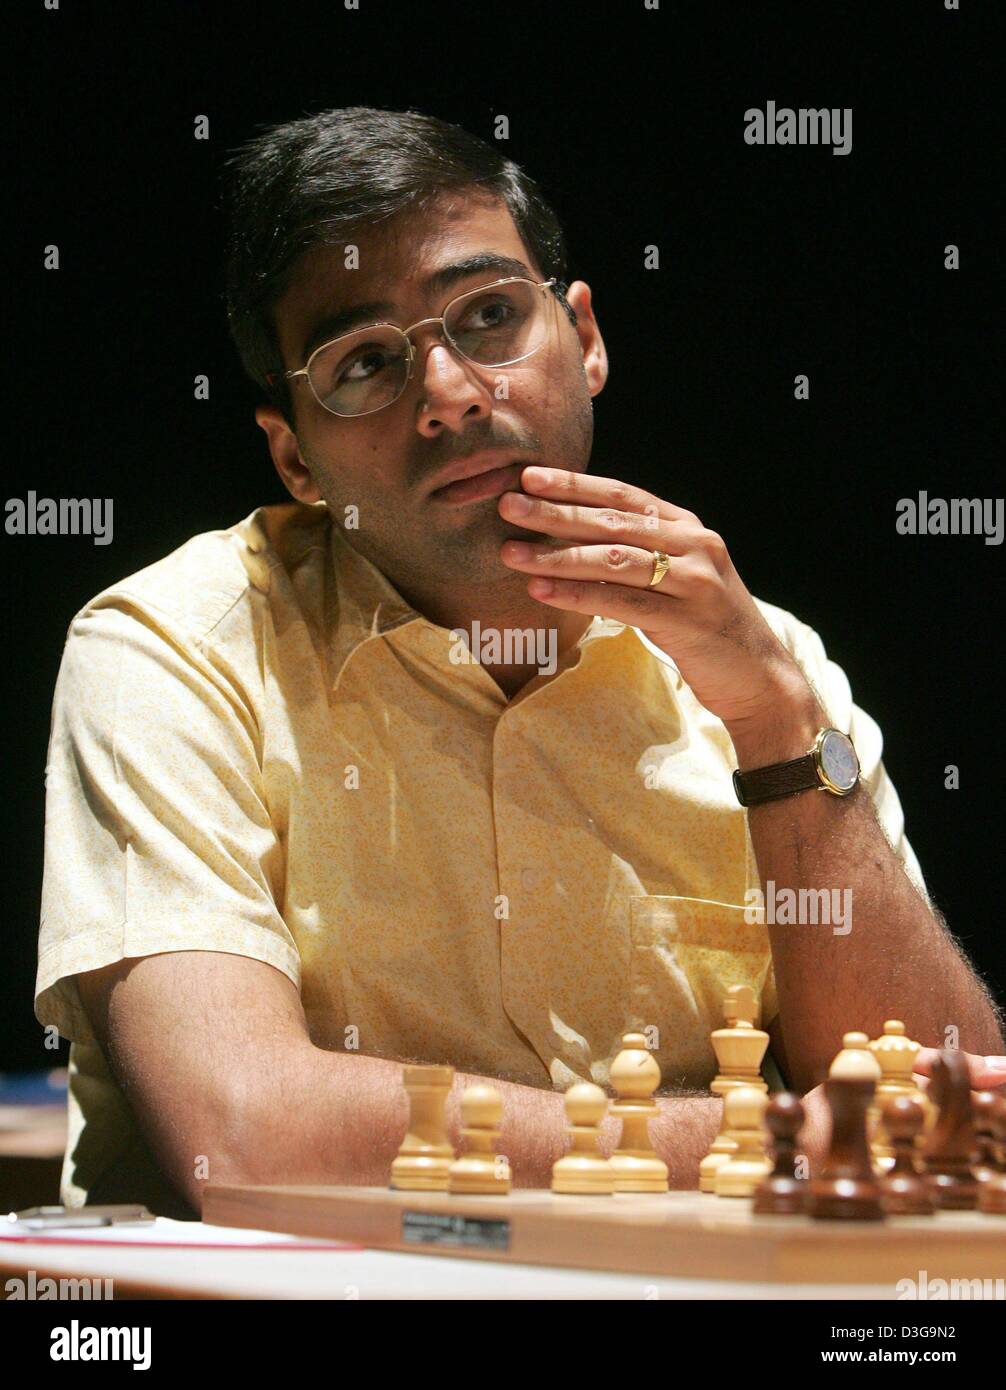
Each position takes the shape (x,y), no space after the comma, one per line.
(452,391)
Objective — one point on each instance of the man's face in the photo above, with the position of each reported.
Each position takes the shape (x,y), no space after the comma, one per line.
(388,464)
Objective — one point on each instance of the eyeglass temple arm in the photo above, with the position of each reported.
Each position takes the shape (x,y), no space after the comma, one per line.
(559,288)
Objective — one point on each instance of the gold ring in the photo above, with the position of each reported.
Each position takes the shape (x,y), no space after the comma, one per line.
(661,564)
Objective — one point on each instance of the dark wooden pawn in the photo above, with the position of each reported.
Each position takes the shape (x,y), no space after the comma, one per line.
(846,1189)
(951,1145)
(904,1190)
(992,1192)
(782,1193)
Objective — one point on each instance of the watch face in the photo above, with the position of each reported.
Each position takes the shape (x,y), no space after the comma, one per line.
(838,760)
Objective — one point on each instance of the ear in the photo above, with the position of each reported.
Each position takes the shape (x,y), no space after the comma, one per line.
(286,455)
(595,356)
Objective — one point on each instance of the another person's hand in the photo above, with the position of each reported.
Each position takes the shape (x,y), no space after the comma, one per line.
(986,1072)
(816,1132)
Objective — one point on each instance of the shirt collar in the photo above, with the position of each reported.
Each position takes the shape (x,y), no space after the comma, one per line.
(365,603)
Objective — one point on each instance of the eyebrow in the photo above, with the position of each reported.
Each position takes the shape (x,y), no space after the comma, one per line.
(343,320)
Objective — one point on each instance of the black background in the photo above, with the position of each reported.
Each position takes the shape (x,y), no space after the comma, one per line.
(774,261)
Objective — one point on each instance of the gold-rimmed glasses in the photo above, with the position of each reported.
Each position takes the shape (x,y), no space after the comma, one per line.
(366,370)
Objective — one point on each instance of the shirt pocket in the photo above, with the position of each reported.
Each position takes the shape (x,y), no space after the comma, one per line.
(685,953)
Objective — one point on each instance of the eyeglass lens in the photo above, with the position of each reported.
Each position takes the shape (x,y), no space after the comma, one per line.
(363,371)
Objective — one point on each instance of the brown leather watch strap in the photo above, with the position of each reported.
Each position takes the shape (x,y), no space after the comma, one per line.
(781,779)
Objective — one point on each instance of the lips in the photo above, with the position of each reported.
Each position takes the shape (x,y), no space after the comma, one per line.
(481,462)
(491,482)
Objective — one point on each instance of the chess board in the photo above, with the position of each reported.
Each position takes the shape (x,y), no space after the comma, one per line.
(676,1234)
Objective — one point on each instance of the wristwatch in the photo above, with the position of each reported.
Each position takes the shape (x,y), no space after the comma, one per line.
(830,766)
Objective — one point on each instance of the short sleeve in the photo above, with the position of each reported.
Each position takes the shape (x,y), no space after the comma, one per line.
(157,831)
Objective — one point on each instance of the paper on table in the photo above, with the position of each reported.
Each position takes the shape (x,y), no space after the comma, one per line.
(167,1232)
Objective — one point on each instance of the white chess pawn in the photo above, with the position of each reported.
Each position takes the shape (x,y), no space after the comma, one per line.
(584,1169)
(480,1169)
(634,1076)
(745,1169)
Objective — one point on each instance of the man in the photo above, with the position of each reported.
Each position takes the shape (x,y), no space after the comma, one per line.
(304,822)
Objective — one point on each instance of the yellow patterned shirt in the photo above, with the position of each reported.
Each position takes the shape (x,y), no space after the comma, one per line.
(258,747)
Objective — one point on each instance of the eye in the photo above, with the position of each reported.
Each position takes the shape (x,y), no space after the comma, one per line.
(362,364)
(494,314)
(487,314)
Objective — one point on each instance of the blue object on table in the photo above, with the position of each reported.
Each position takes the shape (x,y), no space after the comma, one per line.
(33,1087)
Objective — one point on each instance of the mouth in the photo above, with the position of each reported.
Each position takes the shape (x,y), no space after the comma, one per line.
(491,482)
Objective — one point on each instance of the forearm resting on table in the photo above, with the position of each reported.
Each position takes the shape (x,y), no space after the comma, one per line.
(213,1053)
(338,1118)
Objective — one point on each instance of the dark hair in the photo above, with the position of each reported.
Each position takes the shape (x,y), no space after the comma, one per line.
(311,181)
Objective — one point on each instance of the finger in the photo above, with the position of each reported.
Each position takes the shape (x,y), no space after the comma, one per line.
(633,607)
(986,1072)
(607,564)
(563,485)
(577,522)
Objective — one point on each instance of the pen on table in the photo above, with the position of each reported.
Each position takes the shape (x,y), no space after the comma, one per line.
(66,1218)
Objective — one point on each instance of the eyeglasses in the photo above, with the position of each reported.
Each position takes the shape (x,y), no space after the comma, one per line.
(368,369)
